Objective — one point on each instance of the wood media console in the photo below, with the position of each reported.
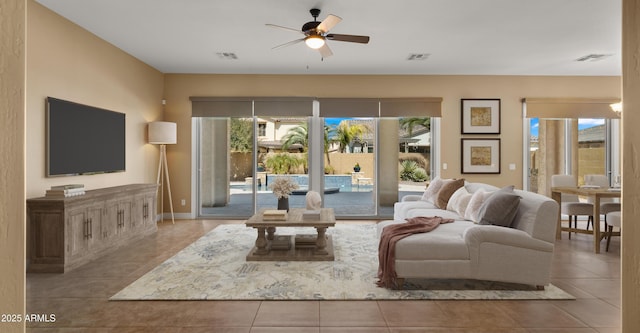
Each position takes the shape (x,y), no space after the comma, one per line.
(64,233)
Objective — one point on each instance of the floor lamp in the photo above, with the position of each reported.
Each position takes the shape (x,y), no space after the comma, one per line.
(163,133)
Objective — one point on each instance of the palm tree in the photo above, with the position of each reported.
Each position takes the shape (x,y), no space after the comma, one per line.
(300,134)
(408,124)
(282,163)
(345,134)
(327,142)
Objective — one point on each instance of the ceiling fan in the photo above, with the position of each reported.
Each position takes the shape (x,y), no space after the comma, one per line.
(317,33)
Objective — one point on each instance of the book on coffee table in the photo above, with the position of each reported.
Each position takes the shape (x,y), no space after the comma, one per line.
(274,215)
(306,240)
(311,215)
(282,242)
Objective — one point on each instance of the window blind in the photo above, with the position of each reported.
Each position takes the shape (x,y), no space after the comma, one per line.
(558,108)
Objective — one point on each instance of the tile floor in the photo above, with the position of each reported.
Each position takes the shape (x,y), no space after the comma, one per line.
(79,299)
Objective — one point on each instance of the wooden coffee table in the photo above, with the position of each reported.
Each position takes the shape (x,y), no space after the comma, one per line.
(320,250)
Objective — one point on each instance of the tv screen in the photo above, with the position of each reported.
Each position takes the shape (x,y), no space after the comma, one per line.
(83,139)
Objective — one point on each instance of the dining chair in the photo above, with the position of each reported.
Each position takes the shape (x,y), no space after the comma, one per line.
(570,203)
(615,220)
(607,205)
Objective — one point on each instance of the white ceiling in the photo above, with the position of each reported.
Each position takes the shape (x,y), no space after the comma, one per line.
(466,37)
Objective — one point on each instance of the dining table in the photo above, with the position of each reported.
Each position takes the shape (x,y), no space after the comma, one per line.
(595,194)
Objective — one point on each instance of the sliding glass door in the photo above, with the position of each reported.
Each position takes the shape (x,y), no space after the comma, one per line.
(282,152)
(235,170)
(360,159)
(350,166)
(225,165)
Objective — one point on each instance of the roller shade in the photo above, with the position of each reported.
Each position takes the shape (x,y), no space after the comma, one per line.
(283,107)
(303,107)
(411,107)
(349,107)
(570,108)
(221,106)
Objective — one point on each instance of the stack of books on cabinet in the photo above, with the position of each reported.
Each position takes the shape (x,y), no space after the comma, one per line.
(65,191)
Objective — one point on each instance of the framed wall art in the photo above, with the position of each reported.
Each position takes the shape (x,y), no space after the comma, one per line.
(480,155)
(480,116)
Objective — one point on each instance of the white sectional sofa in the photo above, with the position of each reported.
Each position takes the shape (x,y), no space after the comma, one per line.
(464,249)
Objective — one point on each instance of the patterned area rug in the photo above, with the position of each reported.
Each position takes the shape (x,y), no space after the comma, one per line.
(214,268)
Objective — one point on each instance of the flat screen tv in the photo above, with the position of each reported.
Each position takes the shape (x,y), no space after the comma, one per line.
(82,139)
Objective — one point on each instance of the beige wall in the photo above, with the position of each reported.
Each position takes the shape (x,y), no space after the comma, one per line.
(12,204)
(67,62)
(510,89)
(630,252)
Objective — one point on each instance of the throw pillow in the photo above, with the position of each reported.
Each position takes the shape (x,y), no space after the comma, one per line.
(508,188)
(456,197)
(499,209)
(446,191)
(459,201)
(477,199)
(430,193)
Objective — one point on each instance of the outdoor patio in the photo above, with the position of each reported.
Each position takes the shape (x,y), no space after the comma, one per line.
(356,203)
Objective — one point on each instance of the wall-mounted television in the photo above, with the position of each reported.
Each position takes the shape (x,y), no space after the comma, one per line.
(82,139)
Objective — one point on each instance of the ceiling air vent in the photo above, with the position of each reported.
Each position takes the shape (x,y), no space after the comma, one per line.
(227,55)
(593,57)
(418,56)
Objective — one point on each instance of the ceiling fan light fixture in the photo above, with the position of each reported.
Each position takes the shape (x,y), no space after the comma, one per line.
(314,41)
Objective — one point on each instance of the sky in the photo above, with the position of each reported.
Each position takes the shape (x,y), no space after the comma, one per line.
(582,124)
(333,121)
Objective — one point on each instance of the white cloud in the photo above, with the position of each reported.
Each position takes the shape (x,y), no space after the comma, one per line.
(590,122)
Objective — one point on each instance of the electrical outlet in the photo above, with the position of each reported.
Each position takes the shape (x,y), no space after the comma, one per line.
(183,202)
(444,166)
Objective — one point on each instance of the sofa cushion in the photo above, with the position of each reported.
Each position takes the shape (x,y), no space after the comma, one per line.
(445,214)
(401,209)
(446,191)
(500,208)
(431,192)
(445,242)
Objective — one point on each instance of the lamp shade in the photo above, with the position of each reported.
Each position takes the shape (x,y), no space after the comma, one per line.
(617,107)
(162,133)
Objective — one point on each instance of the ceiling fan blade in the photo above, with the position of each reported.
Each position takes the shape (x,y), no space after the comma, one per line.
(281,27)
(348,38)
(325,51)
(328,23)
(288,43)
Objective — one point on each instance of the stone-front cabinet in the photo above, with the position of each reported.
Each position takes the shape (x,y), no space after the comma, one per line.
(64,233)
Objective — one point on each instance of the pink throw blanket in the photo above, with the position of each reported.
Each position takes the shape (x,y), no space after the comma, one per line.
(391,235)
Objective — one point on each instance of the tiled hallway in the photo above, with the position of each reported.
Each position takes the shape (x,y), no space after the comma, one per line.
(79,299)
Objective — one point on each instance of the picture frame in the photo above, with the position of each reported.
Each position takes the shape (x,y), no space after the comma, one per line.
(480,116)
(480,156)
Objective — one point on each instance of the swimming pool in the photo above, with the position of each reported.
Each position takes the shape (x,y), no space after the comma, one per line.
(331,182)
